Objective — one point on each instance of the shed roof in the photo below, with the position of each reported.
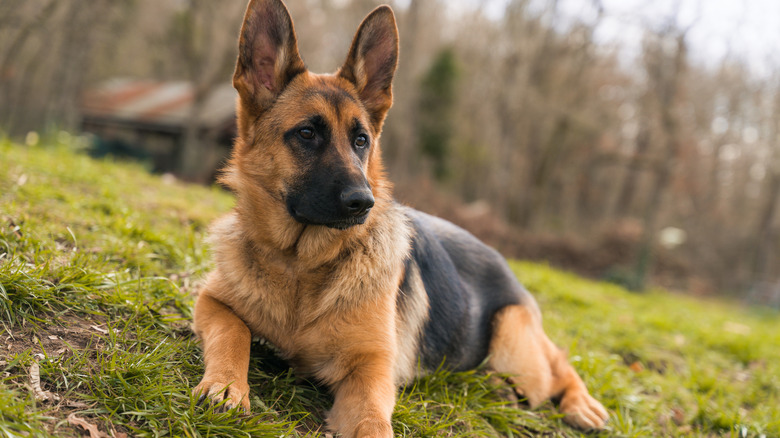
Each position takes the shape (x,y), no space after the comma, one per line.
(164,103)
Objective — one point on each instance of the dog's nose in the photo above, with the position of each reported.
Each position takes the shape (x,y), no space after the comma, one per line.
(357,201)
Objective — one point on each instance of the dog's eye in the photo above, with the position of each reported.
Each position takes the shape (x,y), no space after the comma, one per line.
(306,133)
(361,141)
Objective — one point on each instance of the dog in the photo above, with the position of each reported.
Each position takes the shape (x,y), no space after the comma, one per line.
(354,290)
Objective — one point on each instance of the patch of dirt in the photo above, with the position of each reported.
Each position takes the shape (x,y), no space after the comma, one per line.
(662,362)
(74,331)
(59,339)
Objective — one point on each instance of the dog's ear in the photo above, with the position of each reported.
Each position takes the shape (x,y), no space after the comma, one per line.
(268,56)
(371,62)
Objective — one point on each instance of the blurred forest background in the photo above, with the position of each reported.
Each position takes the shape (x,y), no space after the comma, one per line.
(519,125)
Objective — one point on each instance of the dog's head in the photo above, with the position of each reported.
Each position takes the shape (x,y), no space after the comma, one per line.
(309,143)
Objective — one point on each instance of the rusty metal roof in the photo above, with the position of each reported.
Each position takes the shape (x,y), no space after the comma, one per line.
(166,103)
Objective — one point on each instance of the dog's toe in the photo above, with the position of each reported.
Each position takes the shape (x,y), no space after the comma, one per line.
(583,411)
(232,394)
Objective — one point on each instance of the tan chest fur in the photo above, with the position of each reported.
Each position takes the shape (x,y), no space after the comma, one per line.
(315,313)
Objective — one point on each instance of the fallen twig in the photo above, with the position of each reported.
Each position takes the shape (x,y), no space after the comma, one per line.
(35,382)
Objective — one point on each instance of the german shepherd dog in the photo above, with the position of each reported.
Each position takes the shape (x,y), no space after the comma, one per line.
(356,291)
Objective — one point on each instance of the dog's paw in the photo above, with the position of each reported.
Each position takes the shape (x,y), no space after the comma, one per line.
(235,394)
(374,428)
(583,411)
(370,427)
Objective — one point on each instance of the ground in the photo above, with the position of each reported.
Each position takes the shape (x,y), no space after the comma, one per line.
(98,261)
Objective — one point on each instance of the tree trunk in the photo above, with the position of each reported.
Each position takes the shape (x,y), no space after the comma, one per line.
(193,148)
(666,80)
(543,171)
(633,171)
(764,243)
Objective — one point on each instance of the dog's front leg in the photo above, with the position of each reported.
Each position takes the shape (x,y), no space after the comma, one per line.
(365,398)
(226,344)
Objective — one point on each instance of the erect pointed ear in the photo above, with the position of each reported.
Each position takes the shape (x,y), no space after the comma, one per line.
(371,62)
(268,56)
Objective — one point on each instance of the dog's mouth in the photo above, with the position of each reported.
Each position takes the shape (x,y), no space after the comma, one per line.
(349,223)
(339,224)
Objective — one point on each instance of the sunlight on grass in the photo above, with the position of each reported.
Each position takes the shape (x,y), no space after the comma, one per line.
(98,260)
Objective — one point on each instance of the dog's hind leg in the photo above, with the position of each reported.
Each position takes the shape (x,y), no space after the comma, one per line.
(540,371)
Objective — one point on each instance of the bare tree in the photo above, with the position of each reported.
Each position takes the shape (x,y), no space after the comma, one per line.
(666,64)
(553,130)
(206,52)
(765,244)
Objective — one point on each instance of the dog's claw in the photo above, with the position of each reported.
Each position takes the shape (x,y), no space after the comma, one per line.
(216,392)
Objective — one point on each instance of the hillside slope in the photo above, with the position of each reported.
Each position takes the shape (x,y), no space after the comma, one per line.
(97,261)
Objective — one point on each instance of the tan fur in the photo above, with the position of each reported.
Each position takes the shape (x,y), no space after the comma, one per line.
(411,319)
(327,298)
(226,342)
(327,321)
(520,347)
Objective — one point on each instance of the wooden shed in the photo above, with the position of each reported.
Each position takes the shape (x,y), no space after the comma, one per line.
(147,119)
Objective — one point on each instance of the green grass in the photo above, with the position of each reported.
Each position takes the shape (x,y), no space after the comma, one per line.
(99,260)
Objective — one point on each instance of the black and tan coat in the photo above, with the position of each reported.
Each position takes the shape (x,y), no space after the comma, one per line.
(355,290)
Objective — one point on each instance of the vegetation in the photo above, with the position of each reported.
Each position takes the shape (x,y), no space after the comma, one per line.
(557,130)
(98,261)
(435,112)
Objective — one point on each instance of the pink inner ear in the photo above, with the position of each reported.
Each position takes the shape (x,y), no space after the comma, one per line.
(379,59)
(265,63)
(265,75)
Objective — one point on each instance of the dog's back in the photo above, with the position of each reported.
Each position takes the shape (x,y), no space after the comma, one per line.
(465,283)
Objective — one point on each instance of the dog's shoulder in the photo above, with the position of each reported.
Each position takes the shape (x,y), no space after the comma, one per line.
(224,229)
(237,267)
(224,239)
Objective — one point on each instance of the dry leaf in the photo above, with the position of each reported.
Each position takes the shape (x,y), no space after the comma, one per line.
(116,434)
(101,330)
(89,427)
(678,416)
(52,337)
(35,382)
